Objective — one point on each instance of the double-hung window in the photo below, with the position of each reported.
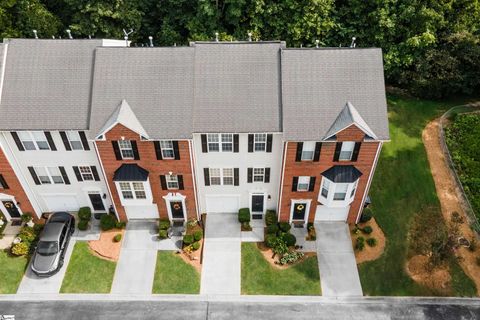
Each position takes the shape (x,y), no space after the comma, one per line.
(227,142)
(126,190)
(74,139)
(213,141)
(172,181)
(222,142)
(167,149)
(86,173)
(228,176)
(260,142)
(347,151)
(132,190)
(215,177)
(340,191)
(126,149)
(49,175)
(303,183)
(139,190)
(258,174)
(325,187)
(308,150)
(33,140)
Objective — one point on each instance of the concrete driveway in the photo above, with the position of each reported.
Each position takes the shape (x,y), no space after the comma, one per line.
(336,260)
(221,271)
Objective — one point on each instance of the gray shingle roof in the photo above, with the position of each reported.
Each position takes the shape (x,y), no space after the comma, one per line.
(156,82)
(47,84)
(348,116)
(316,85)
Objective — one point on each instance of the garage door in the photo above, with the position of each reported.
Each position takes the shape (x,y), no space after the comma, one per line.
(325,213)
(223,203)
(142,212)
(61,203)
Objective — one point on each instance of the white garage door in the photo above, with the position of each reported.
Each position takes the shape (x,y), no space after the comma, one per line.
(325,213)
(61,203)
(223,203)
(142,212)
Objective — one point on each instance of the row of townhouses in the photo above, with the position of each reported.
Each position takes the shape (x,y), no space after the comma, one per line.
(174,132)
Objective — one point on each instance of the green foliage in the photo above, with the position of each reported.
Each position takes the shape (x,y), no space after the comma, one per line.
(120,225)
(366,215)
(37,228)
(372,242)
(244,215)
(164,224)
(27,234)
(107,222)
(284,226)
(367,230)
(196,246)
(162,234)
(291,257)
(279,246)
(187,239)
(270,240)
(198,235)
(360,244)
(20,249)
(272,229)
(85,213)
(290,239)
(26,217)
(82,225)
(117,238)
(270,217)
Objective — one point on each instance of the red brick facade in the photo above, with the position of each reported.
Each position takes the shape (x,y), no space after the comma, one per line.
(148,161)
(364,163)
(14,187)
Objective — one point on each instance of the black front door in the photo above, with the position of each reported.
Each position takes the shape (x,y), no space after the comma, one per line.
(11,209)
(97,203)
(257,203)
(177,209)
(299,210)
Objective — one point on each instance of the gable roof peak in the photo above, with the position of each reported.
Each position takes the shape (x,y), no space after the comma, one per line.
(124,115)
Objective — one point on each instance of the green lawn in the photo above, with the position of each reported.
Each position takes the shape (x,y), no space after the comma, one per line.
(11,272)
(403,191)
(173,275)
(87,273)
(259,277)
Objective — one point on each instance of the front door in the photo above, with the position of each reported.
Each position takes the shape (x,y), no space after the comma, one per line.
(11,209)
(97,202)
(299,209)
(176,208)
(257,206)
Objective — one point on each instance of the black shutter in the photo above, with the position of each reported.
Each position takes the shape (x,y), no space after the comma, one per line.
(163,182)
(235,143)
(356,150)
(267,175)
(250,143)
(48,135)
(136,156)
(3,183)
(17,141)
(158,150)
(318,148)
(298,156)
(175,150)
(206,176)
(66,143)
(294,183)
(269,142)
(204,143)
(116,149)
(338,148)
(236,178)
(77,174)
(311,186)
(83,137)
(180,182)
(34,175)
(64,175)
(249,175)
(95,173)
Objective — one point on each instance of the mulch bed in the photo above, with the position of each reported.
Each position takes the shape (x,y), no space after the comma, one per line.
(105,247)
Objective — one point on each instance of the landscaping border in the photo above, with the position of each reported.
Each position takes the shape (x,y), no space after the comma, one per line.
(465,203)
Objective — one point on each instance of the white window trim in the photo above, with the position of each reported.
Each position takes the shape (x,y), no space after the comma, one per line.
(329,200)
(172,179)
(344,144)
(262,175)
(34,141)
(308,183)
(121,148)
(49,175)
(162,149)
(175,197)
(89,173)
(307,209)
(131,202)
(220,142)
(311,149)
(68,133)
(221,176)
(255,142)
(7,197)
(251,194)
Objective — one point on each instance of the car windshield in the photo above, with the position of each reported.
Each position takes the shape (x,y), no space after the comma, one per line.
(47,247)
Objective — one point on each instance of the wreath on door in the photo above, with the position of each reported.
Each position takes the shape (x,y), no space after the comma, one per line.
(300,207)
(176,206)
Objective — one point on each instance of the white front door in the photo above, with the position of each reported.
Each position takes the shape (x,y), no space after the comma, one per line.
(325,213)
(226,204)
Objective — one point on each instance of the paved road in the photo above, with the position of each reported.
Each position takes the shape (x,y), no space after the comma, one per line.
(248,310)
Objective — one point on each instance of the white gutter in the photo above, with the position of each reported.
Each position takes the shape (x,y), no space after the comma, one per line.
(285,145)
(106,180)
(2,72)
(194,179)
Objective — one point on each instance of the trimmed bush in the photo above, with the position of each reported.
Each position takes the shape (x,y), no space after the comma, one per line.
(372,242)
(360,244)
(270,240)
(244,215)
(367,230)
(284,226)
(291,257)
(107,222)
(198,235)
(289,239)
(272,229)
(27,234)
(366,215)
(117,237)
(37,228)
(82,225)
(187,239)
(196,246)
(120,225)
(20,249)
(26,217)
(162,234)
(84,213)
(270,217)
(163,224)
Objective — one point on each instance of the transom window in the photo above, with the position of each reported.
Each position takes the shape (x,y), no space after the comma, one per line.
(86,173)
(167,149)
(33,140)
(228,176)
(49,175)
(126,149)
(260,142)
(74,139)
(340,191)
(132,190)
(172,181)
(215,177)
(325,188)
(308,150)
(303,183)
(346,151)
(220,142)
(258,174)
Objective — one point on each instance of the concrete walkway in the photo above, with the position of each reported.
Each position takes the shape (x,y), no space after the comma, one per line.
(136,265)
(221,271)
(336,260)
(33,284)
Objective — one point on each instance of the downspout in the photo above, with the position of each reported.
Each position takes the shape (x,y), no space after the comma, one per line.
(285,146)
(106,180)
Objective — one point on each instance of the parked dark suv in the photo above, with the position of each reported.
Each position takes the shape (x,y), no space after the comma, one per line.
(52,245)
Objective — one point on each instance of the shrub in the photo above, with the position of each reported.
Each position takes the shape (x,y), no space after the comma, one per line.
(117,237)
(107,222)
(270,240)
(84,213)
(37,228)
(366,215)
(280,234)
(26,217)
(163,224)
(196,246)
(310,226)
(27,234)
(272,229)
(198,235)
(192,223)
(20,249)
(367,230)
(188,239)
(270,217)
(246,226)
(279,247)
(360,244)
(372,242)
(162,234)
(284,226)
(82,225)
(244,215)
(291,257)
(289,239)
(120,225)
